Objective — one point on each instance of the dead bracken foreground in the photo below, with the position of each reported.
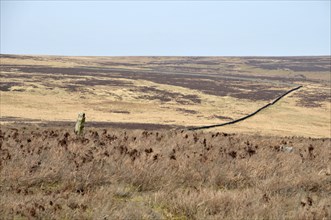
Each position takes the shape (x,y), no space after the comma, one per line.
(50,173)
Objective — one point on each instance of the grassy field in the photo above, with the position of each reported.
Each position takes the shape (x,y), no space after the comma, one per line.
(50,173)
(137,159)
(170,91)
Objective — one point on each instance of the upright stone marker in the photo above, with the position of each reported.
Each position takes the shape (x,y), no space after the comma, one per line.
(80,123)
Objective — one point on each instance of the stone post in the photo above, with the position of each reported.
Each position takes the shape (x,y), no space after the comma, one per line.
(80,123)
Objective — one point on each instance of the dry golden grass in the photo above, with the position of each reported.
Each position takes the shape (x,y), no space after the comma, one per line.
(287,119)
(53,96)
(50,173)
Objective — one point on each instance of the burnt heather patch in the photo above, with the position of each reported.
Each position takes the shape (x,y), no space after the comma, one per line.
(303,64)
(313,99)
(5,86)
(224,85)
(165,96)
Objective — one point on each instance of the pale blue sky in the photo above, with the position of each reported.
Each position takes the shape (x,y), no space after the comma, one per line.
(190,28)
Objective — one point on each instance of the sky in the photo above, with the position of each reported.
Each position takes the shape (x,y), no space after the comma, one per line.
(166,28)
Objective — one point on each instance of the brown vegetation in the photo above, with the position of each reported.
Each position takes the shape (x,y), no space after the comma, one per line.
(136,160)
(50,173)
(170,91)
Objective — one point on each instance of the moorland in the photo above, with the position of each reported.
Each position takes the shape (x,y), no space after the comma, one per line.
(137,158)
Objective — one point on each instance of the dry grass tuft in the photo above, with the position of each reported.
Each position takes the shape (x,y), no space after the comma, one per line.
(50,173)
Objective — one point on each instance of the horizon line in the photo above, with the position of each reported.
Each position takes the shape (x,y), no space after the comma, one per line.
(165,55)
